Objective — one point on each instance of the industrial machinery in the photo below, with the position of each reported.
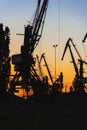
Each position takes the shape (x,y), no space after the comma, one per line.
(49,73)
(24,62)
(55,86)
(79,79)
(45,79)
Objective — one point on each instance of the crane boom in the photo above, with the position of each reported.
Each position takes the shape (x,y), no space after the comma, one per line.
(73,60)
(33,32)
(76,49)
(43,56)
(80,59)
(84,38)
(36,13)
(40,20)
(65,48)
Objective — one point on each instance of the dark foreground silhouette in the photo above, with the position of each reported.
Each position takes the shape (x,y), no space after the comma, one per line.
(64,111)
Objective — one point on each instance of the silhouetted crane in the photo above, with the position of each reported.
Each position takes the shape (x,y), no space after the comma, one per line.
(24,62)
(49,73)
(73,60)
(79,79)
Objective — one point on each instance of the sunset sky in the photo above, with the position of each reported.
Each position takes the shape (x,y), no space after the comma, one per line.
(64,19)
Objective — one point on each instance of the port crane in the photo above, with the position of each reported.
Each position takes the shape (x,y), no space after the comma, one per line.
(55,85)
(79,80)
(73,60)
(49,73)
(25,73)
(41,75)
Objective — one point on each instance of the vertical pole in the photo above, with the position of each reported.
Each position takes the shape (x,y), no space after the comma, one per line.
(55,63)
(55,59)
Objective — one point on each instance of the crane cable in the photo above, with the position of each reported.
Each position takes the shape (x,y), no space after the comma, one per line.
(84,51)
(60,63)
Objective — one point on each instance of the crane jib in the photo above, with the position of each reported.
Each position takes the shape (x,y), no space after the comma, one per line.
(33,32)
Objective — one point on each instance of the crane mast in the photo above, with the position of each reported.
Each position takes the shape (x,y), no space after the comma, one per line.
(24,62)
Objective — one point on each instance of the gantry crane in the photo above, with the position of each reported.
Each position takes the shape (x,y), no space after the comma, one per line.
(24,62)
(78,81)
